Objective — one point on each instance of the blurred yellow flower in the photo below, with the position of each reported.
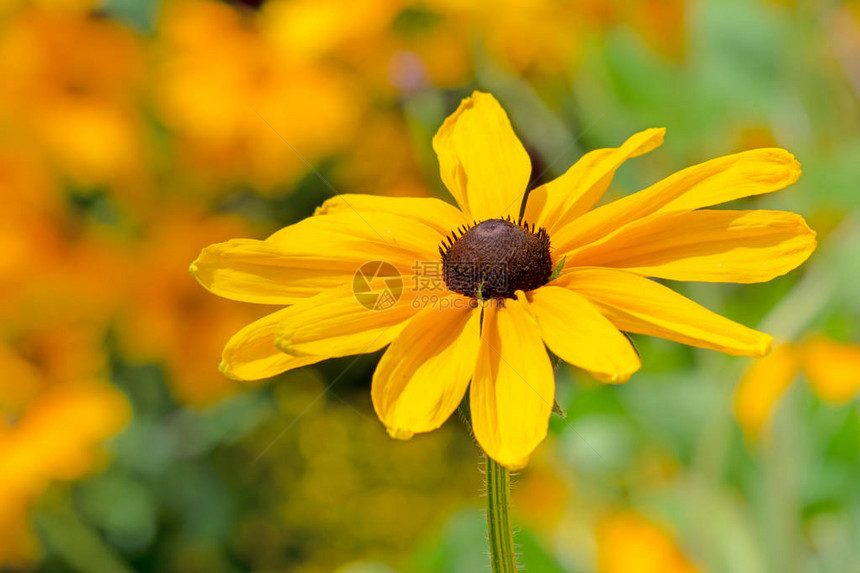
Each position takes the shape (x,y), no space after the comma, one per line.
(231,93)
(60,6)
(524,35)
(534,37)
(831,368)
(307,30)
(56,406)
(56,437)
(627,542)
(492,307)
(70,88)
(29,209)
(761,387)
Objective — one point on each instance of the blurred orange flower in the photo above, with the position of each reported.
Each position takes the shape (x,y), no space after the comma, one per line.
(525,35)
(242,106)
(70,88)
(55,437)
(627,542)
(832,369)
(56,405)
(60,291)
(57,6)
(308,30)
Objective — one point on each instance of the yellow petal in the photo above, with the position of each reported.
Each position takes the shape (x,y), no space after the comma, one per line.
(833,369)
(423,375)
(251,353)
(581,187)
(256,271)
(761,387)
(340,323)
(576,331)
(315,254)
(636,304)
(714,246)
(481,161)
(513,388)
(434,213)
(717,181)
(727,178)
(350,233)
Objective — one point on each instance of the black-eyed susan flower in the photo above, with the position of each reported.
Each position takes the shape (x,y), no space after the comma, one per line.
(565,276)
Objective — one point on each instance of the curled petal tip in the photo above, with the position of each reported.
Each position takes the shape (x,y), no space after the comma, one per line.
(282,344)
(614,377)
(322,209)
(653,138)
(766,346)
(399,433)
(621,377)
(795,168)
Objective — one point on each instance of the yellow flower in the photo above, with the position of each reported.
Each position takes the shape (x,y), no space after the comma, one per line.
(493,305)
(629,543)
(831,368)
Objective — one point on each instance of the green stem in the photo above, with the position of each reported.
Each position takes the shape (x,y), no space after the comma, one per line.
(498,521)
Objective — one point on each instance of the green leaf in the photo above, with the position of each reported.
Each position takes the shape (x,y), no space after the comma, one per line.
(556,272)
(480,294)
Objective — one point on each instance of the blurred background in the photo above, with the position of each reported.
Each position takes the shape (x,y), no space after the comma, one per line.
(135,132)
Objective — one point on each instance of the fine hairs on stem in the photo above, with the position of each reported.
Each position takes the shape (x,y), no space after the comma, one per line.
(502,557)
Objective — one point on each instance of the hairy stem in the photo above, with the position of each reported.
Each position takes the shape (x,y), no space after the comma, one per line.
(498,520)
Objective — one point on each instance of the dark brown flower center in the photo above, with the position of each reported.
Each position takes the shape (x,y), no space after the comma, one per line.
(496,258)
